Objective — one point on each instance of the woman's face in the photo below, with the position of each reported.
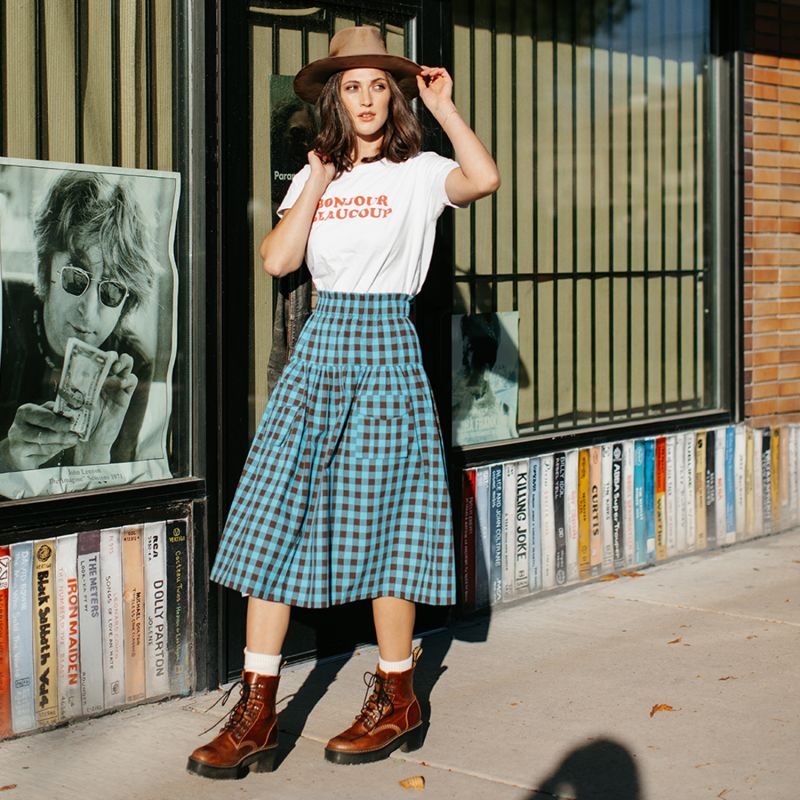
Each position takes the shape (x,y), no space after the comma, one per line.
(85,316)
(365,94)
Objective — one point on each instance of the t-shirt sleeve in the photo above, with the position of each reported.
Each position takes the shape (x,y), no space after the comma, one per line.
(436,168)
(293,192)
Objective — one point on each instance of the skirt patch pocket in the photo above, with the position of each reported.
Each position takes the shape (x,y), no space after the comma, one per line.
(382,427)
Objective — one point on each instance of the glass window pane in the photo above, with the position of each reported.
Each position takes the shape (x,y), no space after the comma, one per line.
(592,260)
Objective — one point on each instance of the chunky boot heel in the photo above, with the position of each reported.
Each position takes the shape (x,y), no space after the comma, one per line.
(414,739)
(265,761)
(248,741)
(390,718)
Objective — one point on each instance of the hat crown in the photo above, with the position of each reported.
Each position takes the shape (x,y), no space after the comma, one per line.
(358,41)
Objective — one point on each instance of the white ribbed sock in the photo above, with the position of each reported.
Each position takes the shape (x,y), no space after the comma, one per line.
(262,663)
(396,666)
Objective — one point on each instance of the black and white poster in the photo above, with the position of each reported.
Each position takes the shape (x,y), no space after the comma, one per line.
(88,322)
(485,368)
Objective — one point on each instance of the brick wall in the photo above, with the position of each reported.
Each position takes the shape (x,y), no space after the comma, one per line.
(772,213)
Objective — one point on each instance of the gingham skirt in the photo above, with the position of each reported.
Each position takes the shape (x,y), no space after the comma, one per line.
(344,494)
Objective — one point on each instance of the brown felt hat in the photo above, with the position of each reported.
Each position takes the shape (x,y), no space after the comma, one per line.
(351,48)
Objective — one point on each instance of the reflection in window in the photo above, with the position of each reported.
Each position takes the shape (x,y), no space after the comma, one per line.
(596,111)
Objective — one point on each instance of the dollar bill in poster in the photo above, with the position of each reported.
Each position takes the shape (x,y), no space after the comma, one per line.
(485,367)
(88,320)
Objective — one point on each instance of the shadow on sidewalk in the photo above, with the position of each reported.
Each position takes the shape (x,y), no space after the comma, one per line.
(603,770)
(430,668)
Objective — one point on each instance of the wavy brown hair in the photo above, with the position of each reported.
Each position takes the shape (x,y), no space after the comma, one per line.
(336,142)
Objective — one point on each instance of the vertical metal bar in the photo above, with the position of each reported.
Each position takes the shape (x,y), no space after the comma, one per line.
(472,212)
(115,85)
(276,49)
(535,177)
(2,76)
(304,43)
(629,213)
(150,93)
(697,188)
(646,205)
(78,35)
(679,198)
(574,37)
(555,215)
(611,166)
(663,116)
(357,17)
(493,67)
(514,159)
(40,77)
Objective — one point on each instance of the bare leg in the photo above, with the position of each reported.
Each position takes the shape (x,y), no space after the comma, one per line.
(267,623)
(394,627)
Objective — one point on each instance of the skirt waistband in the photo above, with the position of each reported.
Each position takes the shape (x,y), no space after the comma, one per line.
(363,330)
(366,305)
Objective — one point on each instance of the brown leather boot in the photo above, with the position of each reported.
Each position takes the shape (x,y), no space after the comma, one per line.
(249,738)
(390,718)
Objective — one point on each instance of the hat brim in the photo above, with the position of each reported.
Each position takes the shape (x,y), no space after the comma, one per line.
(309,82)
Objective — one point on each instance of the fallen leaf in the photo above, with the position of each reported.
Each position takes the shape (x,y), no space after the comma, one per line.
(723,793)
(416,782)
(675,641)
(7,787)
(795,561)
(659,707)
(753,636)
(633,574)
(727,678)
(611,577)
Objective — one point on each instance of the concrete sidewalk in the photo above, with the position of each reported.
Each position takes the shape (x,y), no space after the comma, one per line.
(550,697)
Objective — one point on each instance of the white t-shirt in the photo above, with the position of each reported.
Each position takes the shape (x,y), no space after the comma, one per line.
(375,225)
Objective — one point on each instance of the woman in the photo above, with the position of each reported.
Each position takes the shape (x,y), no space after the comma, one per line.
(344,494)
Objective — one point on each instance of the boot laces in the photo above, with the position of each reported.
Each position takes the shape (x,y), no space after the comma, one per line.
(237,715)
(377,700)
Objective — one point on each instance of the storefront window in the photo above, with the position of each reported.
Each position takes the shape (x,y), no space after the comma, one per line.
(584,291)
(94,372)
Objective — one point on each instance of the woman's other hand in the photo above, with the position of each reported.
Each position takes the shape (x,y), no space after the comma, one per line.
(322,171)
(435,89)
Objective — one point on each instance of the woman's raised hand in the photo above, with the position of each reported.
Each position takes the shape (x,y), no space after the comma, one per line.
(435,89)
(323,171)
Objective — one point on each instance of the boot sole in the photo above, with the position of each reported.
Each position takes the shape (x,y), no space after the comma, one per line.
(262,761)
(408,741)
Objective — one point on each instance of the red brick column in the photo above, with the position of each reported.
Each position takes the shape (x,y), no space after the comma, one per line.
(772,224)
